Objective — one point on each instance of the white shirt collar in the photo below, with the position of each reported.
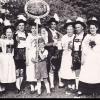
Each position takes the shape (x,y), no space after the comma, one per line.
(54,31)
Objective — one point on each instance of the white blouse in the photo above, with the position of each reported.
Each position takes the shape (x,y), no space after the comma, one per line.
(22,43)
(78,41)
(54,34)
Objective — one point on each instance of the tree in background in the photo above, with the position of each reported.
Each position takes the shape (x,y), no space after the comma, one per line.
(64,8)
(86,7)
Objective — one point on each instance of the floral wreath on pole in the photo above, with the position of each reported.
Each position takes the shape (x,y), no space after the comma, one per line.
(37,8)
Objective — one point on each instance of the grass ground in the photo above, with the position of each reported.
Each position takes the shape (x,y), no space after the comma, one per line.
(59,93)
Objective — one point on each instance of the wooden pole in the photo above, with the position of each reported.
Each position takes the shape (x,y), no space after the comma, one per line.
(37,43)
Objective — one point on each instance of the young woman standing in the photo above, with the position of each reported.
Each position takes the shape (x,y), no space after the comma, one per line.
(90,70)
(65,71)
(30,55)
(7,64)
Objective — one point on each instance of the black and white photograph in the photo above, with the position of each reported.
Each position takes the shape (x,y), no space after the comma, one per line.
(49,49)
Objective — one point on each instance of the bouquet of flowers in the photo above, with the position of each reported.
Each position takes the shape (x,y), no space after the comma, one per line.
(92,44)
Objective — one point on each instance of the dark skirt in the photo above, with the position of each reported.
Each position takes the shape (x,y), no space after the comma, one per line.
(76,60)
(88,89)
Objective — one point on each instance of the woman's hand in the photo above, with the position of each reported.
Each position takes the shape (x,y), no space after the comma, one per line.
(70,45)
(34,60)
(82,62)
(54,44)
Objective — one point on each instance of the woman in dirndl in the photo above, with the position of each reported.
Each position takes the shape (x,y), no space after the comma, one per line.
(65,71)
(7,64)
(30,55)
(19,52)
(90,70)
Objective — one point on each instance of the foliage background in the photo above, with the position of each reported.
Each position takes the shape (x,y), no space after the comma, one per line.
(64,8)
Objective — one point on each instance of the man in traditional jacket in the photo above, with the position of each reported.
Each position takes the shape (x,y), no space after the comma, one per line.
(54,54)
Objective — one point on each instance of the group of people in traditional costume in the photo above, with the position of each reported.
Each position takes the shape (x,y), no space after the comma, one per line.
(71,59)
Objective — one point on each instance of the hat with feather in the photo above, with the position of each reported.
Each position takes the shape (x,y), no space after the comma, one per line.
(93,21)
(7,24)
(68,22)
(20,19)
(81,21)
(55,19)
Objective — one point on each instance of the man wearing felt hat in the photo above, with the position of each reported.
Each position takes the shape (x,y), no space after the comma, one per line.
(80,26)
(53,37)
